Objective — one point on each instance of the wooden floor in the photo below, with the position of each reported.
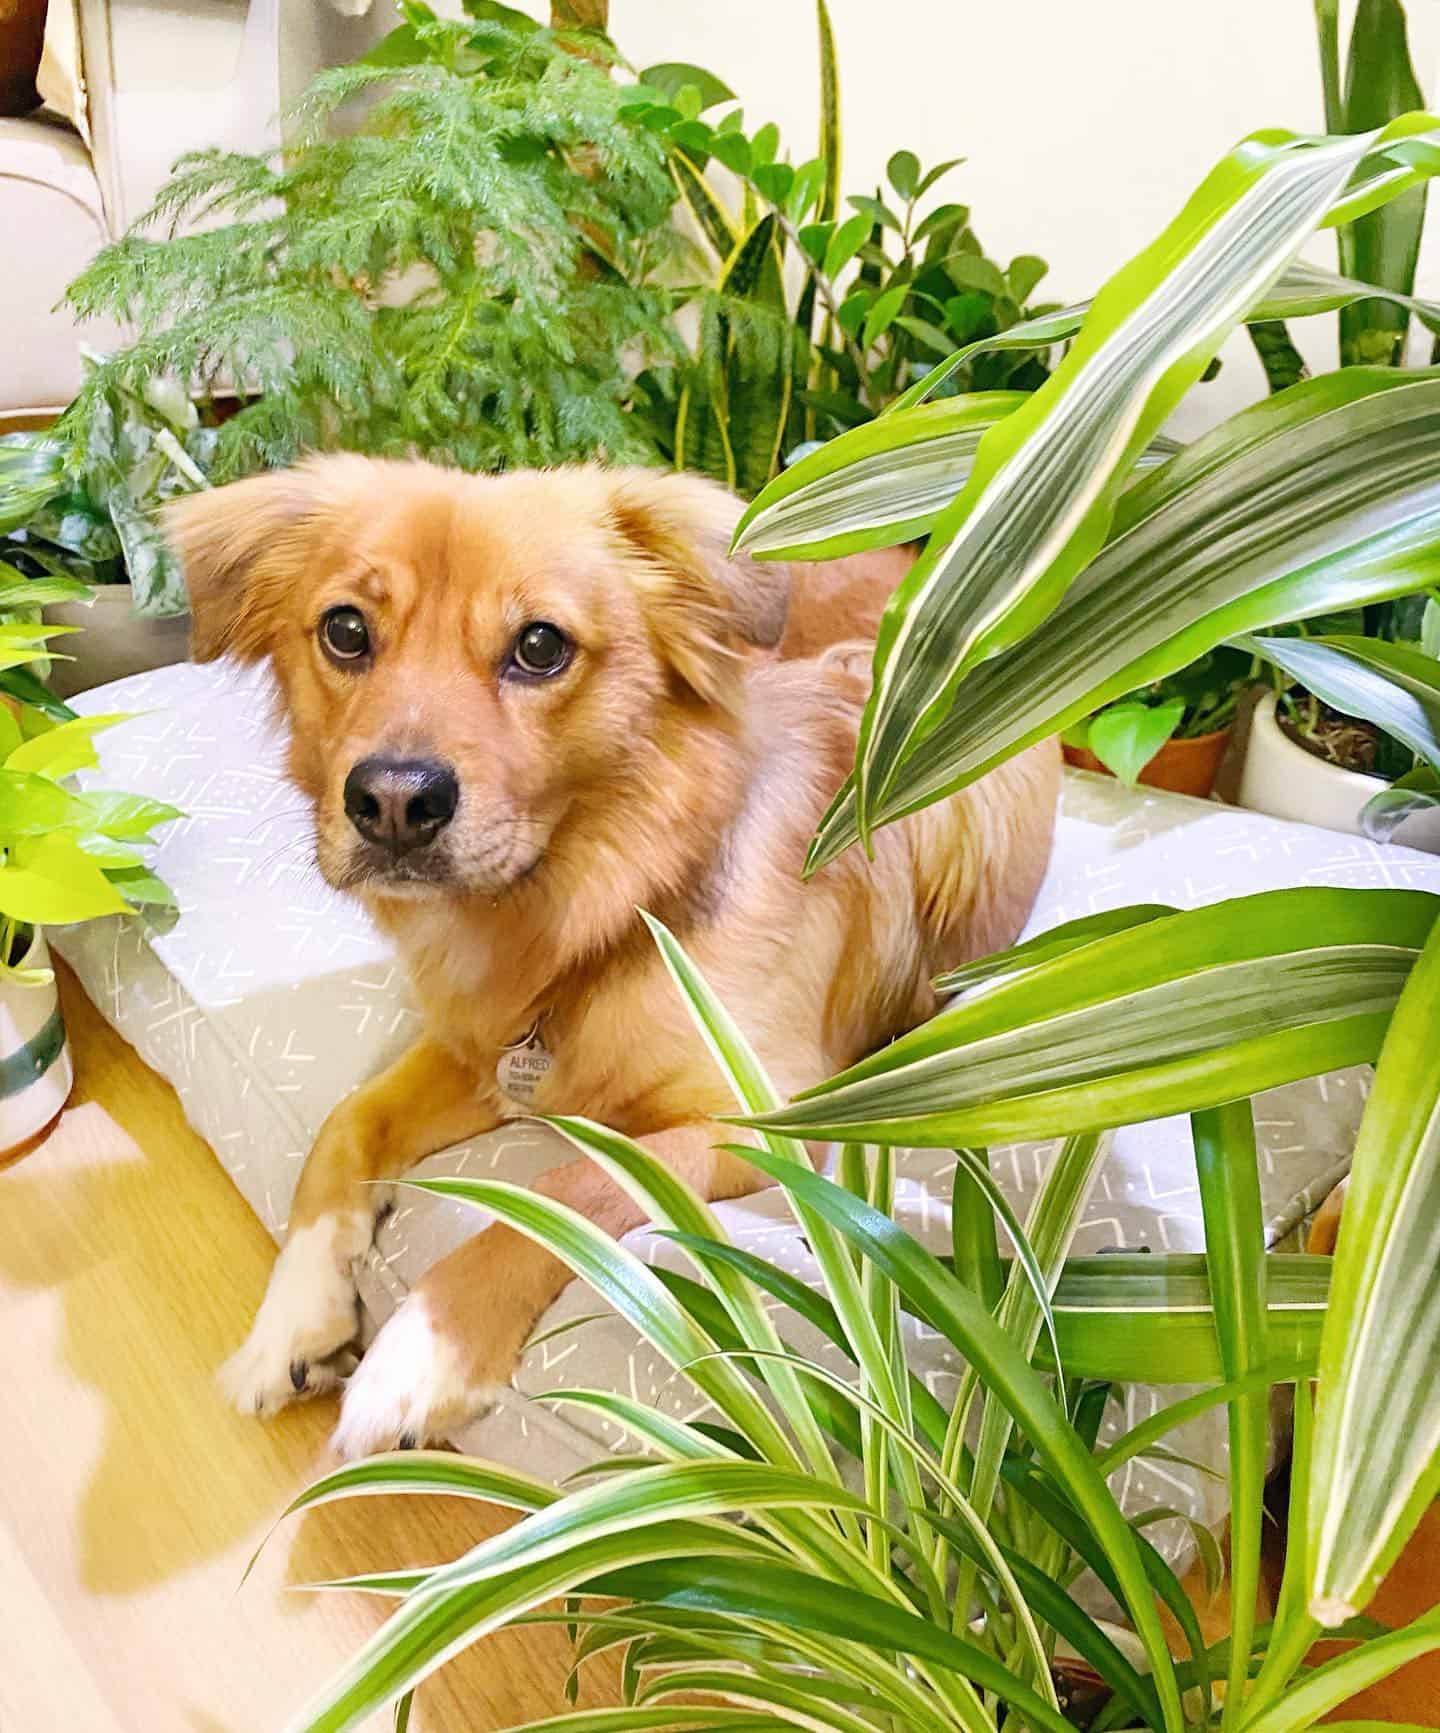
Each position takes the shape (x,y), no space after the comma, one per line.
(131,1498)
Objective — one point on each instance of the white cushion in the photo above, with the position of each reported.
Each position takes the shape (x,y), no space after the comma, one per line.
(271,996)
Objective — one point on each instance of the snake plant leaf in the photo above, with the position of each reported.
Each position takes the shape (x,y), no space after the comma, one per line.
(1181,1013)
(711,217)
(1046,480)
(1384,245)
(1395,686)
(1376,1459)
(1319,498)
(830,133)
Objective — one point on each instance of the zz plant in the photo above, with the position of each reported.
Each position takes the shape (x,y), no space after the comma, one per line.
(750,1579)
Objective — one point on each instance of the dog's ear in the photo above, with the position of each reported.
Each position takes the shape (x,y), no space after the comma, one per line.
(702,602)
(242,546)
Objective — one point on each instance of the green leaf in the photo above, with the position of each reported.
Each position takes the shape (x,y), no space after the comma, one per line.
(1055,942)
(996,565)
(52,881)
(710,215)
(1328,1686)
(1180,1013)
(1228,1171)
(1316,499)
(882,311)
(903,173)
(32,473)
(878,212)
(1024,277)
(20,684)
(765,143)
(65,749)
(41,592)
(796,1601)
(830,130)
(1125,737)
(32,805)
(122,815)
(929,178)
(846,241)
(950,1307)
(1393,685)
(670,77)
(1377,1436)
(1384,246)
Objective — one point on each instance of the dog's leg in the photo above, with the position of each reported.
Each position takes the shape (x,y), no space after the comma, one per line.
(440,1359)
(423,1102)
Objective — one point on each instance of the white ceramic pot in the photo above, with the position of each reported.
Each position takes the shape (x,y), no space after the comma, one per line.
(113,641)
(35,1069)
(1286,781)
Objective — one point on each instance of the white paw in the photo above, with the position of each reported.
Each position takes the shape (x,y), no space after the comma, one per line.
(308,1316)
(412,1386)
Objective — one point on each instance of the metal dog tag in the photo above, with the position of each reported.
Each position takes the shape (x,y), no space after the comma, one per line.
(523,1068)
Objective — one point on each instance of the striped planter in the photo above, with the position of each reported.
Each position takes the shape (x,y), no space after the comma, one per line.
(35,1069)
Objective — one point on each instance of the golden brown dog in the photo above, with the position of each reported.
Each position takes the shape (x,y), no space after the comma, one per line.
(524,707)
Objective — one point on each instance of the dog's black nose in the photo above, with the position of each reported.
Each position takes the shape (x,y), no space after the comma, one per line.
(400,803)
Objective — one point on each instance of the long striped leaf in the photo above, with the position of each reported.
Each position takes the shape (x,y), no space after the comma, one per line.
(1328,1686)
(1302,289)
(1395,686)
(964,1320)
(1228,1171)
(428,1629)
(672,1204)
(1182,1013)
(791,1599)
(1043,489)
(1377,1436)
(883,483)
(1323,497)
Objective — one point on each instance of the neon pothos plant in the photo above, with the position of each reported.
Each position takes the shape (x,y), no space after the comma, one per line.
(750,1579)
(65,855)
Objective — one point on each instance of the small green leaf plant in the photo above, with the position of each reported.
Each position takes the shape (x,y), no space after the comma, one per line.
(65,855)
(812,319)
(87,510)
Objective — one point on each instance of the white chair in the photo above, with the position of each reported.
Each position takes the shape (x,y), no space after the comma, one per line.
(129,88)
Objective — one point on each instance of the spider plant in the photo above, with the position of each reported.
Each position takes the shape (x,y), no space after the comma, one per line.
(844,1553)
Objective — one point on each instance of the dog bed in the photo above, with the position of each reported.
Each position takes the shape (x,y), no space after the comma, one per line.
(270,997)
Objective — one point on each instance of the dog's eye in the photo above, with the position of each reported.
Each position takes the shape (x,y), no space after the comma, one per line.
(540,649)
(344,634)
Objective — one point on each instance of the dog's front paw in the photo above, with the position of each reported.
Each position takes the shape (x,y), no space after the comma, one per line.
(414,1385)
(298,1344)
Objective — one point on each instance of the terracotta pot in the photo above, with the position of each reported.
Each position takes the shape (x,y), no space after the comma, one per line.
(1181,766)
(22,41)
(35,1071)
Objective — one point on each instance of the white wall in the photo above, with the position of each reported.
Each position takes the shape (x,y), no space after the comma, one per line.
(1084,125)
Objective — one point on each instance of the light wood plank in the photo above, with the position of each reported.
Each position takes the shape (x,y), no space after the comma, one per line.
(131,1497)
